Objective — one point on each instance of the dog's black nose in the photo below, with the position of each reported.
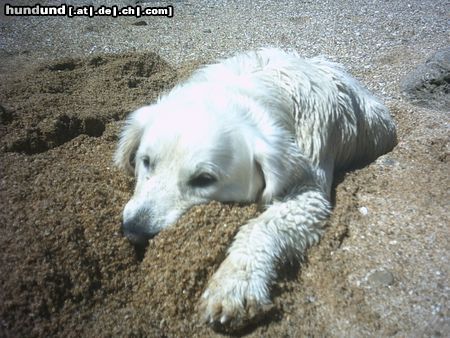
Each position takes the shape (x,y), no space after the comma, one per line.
(135,233)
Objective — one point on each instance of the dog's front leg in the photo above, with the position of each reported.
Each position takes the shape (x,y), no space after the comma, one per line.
(239,291)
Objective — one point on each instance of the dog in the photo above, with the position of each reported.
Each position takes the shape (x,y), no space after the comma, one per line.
(264,126)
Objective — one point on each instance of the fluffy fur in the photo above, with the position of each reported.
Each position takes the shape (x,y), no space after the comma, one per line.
(265,126)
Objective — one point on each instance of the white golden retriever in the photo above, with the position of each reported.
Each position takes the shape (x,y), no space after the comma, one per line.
(266,126)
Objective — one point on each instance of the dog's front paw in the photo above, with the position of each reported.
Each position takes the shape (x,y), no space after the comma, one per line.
(236,296)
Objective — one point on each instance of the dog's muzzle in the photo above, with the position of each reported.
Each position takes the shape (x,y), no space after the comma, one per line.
(136,228)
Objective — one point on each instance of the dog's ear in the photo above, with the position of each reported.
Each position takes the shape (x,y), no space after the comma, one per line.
(282,166)
(270,168)
(130,138)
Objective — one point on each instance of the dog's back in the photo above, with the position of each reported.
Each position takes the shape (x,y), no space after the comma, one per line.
(334,117)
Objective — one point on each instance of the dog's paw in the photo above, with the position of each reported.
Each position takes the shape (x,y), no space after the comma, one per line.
(235,297)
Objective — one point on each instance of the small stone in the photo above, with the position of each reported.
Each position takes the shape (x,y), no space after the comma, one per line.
(364,211)
(387,161)
(381,278)
(140,23)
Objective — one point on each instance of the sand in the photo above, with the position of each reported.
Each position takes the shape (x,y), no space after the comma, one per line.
(65,269)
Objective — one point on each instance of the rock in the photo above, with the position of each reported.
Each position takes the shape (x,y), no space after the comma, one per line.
(387,161)
(429,84)
(363,211)
(6,115)
(140,23)
(381,278)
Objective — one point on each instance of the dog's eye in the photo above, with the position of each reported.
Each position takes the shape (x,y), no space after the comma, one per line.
(146,162)
(203,180)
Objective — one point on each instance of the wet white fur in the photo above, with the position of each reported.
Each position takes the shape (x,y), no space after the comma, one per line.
(272,127)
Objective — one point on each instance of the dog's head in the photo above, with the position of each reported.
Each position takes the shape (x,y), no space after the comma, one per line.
(185,151)
(181,155)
